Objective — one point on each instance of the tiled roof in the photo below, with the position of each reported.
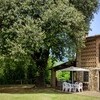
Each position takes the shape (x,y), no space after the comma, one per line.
(95,36)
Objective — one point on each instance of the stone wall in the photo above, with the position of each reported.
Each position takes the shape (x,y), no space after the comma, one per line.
(97,52)
(89,58)
(88,54)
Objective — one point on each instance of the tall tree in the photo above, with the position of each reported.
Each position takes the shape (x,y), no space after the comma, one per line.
(37,28)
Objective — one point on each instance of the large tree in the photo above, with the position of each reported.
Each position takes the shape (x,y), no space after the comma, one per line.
(35,29)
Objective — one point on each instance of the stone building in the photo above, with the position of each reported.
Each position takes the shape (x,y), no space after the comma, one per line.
(89,58)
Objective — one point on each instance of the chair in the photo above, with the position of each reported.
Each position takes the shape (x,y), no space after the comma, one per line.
(64,86)
(67,87)
(78,87)
(70,87)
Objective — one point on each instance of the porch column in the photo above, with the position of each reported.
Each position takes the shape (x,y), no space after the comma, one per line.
(53,78)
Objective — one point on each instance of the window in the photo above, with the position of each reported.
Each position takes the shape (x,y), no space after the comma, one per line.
(86,77)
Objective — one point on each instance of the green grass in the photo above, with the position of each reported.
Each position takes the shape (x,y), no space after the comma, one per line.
(40,94)
(45,96)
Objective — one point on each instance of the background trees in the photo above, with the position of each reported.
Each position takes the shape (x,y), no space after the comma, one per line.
(31,30)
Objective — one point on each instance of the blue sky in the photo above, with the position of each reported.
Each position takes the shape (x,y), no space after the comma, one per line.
(95,25)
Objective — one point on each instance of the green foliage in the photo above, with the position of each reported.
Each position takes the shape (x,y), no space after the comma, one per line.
(63,75)
(33,29)
(87,7)
(28,25)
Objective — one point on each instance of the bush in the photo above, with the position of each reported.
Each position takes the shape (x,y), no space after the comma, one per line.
(63,75)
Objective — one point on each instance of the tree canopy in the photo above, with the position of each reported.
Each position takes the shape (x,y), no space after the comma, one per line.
(34,29)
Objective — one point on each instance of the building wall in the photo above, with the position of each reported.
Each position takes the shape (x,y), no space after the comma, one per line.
(88,53)
(89,58)
(97,52)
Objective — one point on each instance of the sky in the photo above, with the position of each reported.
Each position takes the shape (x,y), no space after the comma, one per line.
(95,25)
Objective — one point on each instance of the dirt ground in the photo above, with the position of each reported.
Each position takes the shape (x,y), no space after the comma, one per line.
(26,89)
(16,89)
(89,93)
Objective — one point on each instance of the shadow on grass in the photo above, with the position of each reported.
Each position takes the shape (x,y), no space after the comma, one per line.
(28,89)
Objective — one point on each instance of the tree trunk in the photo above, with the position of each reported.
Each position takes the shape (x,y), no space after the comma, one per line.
(41,59)
(41,77)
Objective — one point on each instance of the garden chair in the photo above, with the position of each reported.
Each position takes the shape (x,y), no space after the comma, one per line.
(78,87)
(67,87)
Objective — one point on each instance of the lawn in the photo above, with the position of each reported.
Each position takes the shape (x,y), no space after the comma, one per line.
(45,96)
(40,94)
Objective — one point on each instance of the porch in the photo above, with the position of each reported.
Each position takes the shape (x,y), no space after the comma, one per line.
(58,84)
